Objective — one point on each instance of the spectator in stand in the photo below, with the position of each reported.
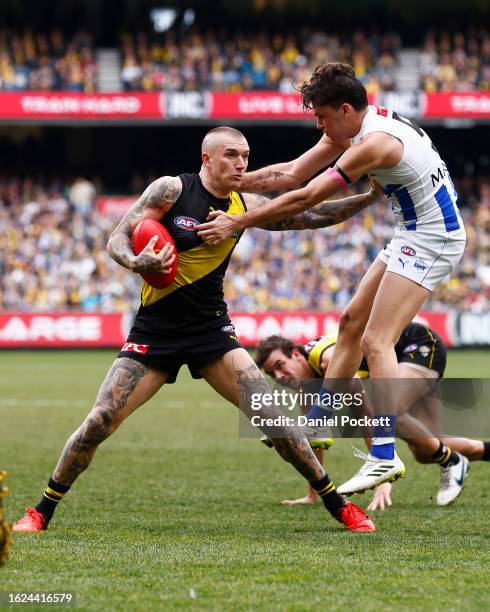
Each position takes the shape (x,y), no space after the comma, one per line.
(456,63)
(46,62)
(82,195)
(54,257)
(242,62)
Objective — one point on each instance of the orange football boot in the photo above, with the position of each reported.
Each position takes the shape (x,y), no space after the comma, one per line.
(32,521)
(354,518)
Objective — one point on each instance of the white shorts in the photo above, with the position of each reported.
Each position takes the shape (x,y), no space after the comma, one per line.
(424,256)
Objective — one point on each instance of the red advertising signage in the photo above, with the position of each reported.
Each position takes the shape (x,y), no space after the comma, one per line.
(257,105)
(474,105)
(62,330)
(86,330)
(305,326)
(114,207)
(219,106)
(65,105)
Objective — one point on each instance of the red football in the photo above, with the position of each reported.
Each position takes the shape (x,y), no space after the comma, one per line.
(143,233)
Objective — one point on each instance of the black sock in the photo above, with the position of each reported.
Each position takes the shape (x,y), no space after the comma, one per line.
(444,456)
(486,451)
(52,495)
(331,499)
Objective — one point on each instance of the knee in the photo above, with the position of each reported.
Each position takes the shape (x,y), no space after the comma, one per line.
(372,345)
(349,326)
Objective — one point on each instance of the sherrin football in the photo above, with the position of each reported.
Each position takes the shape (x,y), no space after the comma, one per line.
(143,233)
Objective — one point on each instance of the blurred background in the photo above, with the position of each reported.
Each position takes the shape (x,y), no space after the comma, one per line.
(98,98)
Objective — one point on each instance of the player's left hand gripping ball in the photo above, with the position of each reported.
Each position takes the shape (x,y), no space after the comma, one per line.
(143,233)
(4,526)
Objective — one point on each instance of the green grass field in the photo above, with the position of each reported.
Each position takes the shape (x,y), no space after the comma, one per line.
(178,512)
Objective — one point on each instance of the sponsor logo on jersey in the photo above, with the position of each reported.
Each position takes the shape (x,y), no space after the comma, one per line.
(424,350)
(186,223)
(403,262)
(228,329)
(410,348)
(420,264)
(132,347)
(406,250)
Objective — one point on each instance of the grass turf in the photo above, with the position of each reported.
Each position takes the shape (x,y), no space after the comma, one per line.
(178,512)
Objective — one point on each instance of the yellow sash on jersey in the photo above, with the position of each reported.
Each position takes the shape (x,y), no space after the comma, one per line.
(198,262)
(316,354)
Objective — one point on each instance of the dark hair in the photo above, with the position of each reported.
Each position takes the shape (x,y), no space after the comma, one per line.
(272,343)
(333,84)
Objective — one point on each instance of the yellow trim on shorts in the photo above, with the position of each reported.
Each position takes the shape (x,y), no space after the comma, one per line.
(433,347)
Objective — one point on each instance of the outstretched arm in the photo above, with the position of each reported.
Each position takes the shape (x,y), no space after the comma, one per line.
(373,151)
(290,175)
(155,202)
(324,214)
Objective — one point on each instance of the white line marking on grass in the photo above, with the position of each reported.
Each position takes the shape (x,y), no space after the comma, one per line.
(40,402)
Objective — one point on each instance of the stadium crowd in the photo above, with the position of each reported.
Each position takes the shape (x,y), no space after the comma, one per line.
(215,60)
(459,62)
(40,61)
(54,258)
(246,61)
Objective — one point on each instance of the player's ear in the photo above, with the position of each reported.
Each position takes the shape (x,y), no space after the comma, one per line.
(205,159)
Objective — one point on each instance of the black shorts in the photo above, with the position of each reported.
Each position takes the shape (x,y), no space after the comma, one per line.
(425,348)
(169,354)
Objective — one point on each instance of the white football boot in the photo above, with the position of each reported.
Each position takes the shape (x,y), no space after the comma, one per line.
(452,479)
(373,473)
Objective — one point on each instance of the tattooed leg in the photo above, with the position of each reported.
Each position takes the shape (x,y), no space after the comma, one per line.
(128,385)
(235,376)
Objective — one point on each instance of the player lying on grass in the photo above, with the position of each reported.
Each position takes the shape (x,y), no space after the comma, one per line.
(421,355)
(428,241)
(188,323)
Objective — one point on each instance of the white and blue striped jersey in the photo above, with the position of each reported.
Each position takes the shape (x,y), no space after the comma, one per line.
(420,188)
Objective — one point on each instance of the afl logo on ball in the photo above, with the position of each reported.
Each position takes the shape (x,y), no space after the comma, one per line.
(186,223)
(406,250)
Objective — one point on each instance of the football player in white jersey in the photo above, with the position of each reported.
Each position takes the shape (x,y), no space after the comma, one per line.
(428,241)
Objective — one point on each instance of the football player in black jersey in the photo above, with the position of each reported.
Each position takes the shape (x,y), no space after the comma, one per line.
(187,322)
(421,355)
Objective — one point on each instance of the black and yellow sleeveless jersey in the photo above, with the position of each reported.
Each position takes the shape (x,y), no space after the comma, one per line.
(417,344)
(315,349)
(194,301)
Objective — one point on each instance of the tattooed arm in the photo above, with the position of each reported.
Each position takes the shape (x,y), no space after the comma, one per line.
(155,202)
(290,175)
(324,214)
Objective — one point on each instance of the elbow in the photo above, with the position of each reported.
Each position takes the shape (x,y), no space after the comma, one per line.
(110,245)
(291,181)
